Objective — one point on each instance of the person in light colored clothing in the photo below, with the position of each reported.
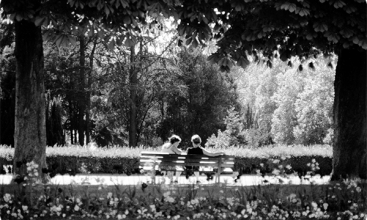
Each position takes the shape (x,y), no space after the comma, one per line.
(172,144)
(172,148)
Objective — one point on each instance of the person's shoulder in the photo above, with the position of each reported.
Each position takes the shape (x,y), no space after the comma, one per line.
(166,145)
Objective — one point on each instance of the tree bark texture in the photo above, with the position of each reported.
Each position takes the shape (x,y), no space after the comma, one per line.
(350,134)
(30,105)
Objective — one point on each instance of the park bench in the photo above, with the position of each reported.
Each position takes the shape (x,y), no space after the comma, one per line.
(152,161)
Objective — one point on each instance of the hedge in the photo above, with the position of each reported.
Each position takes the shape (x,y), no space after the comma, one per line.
(125,160)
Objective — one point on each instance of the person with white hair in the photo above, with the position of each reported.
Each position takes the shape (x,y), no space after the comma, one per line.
(198,150)
(172,144)
(171,147)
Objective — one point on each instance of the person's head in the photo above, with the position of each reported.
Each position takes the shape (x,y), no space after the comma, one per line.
(196,140)
(174,139)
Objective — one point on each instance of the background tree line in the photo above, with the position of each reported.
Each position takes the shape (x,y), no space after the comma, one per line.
(143,92)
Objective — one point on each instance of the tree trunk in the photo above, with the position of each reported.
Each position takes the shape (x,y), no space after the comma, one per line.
(82,98)
(350,135)
(133,91)
(89,85)
(30,105)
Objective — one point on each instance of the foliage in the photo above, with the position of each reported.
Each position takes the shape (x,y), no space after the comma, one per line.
(284,117)
(7,110)
(340,200)
(118,152)
(199,104)
(288,106)
(54,129)
(295,28)
(76,159)
(234,133)
(314,107)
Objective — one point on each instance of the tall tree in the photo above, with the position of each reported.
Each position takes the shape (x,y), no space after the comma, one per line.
(199,103)
(292,27)
(29,17)
(30,117)
(81,93)
(286,28)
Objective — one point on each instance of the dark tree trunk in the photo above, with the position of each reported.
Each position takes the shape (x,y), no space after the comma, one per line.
(71,123)
(89,85)
(350,135)
(133,104)
(82,97)
(30,106)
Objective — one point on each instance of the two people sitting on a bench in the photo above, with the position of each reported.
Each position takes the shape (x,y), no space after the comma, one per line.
(171,147)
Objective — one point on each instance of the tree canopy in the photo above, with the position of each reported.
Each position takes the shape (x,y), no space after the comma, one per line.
(293,28)
(245,30)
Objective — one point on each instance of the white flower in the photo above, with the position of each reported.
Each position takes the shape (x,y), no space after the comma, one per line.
(76,208)
(7,197)
(314,205)
(152,207)
(325,205)
(109,195)
(24,207)
(292,196)
(275,172)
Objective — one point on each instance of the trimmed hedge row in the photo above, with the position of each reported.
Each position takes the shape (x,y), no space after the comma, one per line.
(74,165)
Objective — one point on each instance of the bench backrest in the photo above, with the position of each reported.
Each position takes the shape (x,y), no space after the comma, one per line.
(162,159)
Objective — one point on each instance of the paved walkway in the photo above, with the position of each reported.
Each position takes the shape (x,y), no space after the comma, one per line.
(106,179)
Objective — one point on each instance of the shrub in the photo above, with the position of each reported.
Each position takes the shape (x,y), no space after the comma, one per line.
(75,159)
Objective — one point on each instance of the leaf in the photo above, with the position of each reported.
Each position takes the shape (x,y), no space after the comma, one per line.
(195,43)
(40,21)
(289,6)
(129,42)
(290,64)
(339,4)
(64,40)
(126,20)
(243,62)
(18,17)
(304,12)
(269,64)
(311,66)
(320,27)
